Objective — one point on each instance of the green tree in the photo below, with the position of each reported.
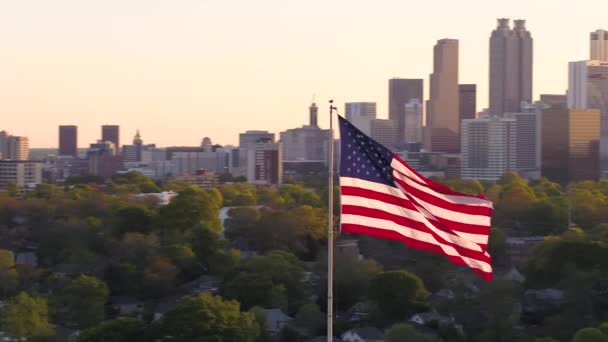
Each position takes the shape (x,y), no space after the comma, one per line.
(352,280)
(403,332)
(133,219)
(310,317)
(136,182)
(590,335)
(498,300)
(12,188)
(399,293)
(207,318)
(190,207)
(119,330)
(271,280)
(83,301)
(9,278)
(26,316)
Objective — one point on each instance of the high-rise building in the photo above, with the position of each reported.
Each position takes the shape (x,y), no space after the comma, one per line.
(68,140)
(510,67)
(313,112)
(3,145)
(306,144)
(18,148)
(104,159)
(21,172)
(250,138)
(111,133)
(360,114)
(528,139)
(598,47)
(385,132)
(570,144)
(554,100)
(467,101)
(588,88)
(443,117)
(400,92)
(134,153)
(264,165)
(488,148)
(413,121)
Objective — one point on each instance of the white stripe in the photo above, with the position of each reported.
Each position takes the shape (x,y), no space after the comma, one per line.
(479,220)
(413,234)
(397,165)
(471,241)
(461,200)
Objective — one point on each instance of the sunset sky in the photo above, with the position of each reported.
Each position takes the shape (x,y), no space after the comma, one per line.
(180,70)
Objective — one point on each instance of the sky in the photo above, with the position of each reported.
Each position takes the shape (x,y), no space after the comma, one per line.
(181,70)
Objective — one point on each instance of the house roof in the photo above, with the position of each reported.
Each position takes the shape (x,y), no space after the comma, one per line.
(369,333)
(275,315)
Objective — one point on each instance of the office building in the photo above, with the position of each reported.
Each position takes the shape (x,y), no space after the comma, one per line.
(24,173)
(250,138)
(111,133)
(134,153)
(18,148)
(598,45)
(360,114)
(306,144)
(68,140)
(570,139)
(104,159)
(554,100)
(443,117)
(400,92)
(385,132)
(528,139)
(510,67)
(588,88)
(264,165)
(204,179)
(413,121)
(488,148)
(313,113)
(467,101)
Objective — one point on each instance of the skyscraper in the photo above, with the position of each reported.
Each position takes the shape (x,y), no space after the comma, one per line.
(443,117)
(488,148)
(360,114)
(314,113)
(554,100)
(510,67)
(250,138)
(570,144)
(385,132)
(400,92)
(111,133)
(413,121)
(598,47)
(467,101)
(68,140)
(588,88)
(18,148)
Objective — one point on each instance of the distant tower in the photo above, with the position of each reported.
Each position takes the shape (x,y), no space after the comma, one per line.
(137,139)
(68,140)
(510,67)
(443,111)
(111,133)
(206,142)
(598,45)
(400,92)
(313,110)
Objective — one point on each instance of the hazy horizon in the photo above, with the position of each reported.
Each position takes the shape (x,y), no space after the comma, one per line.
(179,72)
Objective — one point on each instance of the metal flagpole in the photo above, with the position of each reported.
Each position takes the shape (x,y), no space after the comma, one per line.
(330,229)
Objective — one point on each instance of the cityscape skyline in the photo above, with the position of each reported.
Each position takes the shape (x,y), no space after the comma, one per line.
(224,102)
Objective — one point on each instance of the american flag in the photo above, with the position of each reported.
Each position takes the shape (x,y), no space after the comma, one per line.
(383,196)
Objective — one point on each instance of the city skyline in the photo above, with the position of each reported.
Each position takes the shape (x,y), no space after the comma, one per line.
(197,75)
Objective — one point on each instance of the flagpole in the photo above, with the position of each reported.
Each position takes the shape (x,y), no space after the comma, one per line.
(330,229)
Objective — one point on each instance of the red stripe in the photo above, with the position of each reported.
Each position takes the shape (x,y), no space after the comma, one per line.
(440,188)
(386,198)
(407,223)
(412,243)
(440,202)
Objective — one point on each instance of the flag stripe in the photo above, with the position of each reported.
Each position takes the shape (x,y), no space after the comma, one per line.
(414,215)
(373,227)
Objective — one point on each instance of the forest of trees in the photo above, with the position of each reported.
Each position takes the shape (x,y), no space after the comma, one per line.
(95,241)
